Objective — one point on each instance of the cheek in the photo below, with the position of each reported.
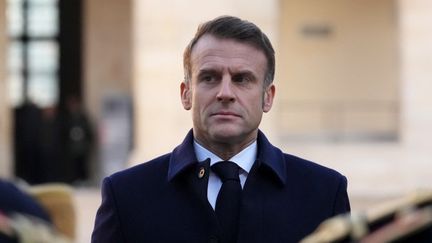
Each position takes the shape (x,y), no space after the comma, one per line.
(256,104)
(199,106)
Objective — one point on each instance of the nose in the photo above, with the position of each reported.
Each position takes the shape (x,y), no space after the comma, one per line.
(225,93)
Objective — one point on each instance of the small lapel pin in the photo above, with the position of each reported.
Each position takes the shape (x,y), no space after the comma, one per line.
(201,172)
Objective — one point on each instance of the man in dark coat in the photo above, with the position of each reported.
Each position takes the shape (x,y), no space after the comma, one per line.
(225,182)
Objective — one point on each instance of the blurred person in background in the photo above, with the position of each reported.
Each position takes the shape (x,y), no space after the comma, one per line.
(52,165)
(38,145)
(28,119)
(13,199)
(78,136)
(226,182)
(24,219)
(52,145)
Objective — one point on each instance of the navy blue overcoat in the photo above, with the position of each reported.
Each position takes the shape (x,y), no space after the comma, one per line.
(164,200)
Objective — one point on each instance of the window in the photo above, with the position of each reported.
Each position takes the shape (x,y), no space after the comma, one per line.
(33,53)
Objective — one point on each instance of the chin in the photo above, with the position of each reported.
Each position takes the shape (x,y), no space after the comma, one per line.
(227,134)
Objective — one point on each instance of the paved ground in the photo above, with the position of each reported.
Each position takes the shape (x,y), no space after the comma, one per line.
(87,201)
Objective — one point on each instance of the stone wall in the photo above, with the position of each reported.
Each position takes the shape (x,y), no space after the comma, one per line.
(5,160)
(107,51)
(416,66)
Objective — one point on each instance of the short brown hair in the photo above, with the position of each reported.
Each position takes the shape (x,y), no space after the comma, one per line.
(229,27)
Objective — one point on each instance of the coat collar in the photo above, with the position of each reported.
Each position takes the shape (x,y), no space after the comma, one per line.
(271,157)
(183,157)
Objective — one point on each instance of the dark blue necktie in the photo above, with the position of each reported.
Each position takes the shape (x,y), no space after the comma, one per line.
(228,199)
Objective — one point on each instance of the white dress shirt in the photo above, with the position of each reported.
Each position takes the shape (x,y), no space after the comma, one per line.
(244,160)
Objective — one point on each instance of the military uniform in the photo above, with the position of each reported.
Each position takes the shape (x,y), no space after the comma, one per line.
(405,220)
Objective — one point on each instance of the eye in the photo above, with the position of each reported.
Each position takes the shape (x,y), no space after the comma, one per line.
(207,78)
(241,78)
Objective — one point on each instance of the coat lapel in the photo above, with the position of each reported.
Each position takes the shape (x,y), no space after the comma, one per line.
(183,166)
(267,175)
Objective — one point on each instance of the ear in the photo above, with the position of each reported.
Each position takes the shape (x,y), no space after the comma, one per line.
(185,95)
(269,94)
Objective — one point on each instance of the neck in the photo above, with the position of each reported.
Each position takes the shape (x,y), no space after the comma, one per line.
(226,150)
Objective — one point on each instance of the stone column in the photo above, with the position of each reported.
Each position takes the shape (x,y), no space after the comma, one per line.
(107,60)
(5,159)
(416,55)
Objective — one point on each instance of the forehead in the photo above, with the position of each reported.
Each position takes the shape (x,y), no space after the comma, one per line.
(213,51)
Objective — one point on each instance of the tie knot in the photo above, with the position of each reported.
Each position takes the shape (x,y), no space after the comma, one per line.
(226,170)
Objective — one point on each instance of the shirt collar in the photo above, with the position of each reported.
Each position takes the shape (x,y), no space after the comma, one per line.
(184,156)
(245,159)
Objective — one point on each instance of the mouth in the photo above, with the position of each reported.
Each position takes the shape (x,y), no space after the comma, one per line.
(225,114)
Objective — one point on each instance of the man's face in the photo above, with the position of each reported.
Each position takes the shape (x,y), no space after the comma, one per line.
(226,92)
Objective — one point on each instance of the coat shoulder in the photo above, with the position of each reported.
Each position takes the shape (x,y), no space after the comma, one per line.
(307,167)
(144,172)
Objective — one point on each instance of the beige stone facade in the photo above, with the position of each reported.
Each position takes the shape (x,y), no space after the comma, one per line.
(107,58)
(416,65)
(343,67)
(5,142)
(338,70)
(369,59)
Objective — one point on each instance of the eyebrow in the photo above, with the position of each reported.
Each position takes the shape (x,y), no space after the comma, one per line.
(208,70)
(217,70)
(246,73)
